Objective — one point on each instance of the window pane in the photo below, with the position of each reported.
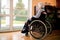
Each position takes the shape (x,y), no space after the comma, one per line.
(20,6)
(5,3)
(5,22)
(20,12)
(5,11)
(5,7)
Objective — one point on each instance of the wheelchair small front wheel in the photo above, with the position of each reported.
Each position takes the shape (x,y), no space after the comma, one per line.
(38,29)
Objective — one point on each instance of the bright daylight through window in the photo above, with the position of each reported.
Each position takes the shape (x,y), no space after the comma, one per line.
(13,14)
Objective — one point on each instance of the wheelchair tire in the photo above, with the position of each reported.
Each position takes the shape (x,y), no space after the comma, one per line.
(49,27)
(38,29)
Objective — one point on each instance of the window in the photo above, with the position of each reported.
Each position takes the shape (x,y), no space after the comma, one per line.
(13,14)
(4,14)
(20,12)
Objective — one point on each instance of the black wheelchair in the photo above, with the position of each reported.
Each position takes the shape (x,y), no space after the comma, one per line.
(39,29)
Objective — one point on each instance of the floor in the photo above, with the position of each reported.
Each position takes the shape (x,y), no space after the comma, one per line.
(55,35)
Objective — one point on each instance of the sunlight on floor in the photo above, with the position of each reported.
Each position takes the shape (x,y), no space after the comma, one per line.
(14,36)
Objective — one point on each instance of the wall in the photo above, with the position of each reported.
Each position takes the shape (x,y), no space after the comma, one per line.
(58,3)
(34,2)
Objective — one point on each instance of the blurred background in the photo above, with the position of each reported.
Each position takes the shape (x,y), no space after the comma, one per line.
(14,13)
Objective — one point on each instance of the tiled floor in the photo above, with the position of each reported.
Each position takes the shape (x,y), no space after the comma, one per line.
(19,36)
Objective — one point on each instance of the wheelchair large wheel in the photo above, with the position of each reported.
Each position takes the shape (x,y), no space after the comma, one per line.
(38,29)
(49,27)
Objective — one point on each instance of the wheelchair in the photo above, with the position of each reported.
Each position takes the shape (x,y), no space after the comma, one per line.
(39,29)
